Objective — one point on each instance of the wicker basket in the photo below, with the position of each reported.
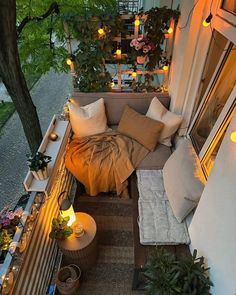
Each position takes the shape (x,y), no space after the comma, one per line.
(67,279)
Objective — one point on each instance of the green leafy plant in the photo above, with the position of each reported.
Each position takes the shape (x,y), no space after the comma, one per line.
(167,275)
(38,161)
(60,229)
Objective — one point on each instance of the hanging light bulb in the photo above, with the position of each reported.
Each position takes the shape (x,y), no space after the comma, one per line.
(68,61)
(170,30)
(118,51)
(165,67)
(137,22)
(134,73)
(207,21)
(101,32)
(233,136)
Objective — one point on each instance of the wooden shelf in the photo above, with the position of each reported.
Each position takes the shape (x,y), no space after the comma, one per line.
(53,149)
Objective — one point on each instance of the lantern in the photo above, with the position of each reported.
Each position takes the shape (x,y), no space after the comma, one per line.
(67,210)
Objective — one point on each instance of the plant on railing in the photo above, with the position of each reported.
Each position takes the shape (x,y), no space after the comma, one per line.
(8,221)
(60,229)
(38,163)
(167,275)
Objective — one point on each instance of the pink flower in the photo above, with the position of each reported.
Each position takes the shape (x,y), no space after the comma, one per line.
(5,222)
(134,42)
(139,46)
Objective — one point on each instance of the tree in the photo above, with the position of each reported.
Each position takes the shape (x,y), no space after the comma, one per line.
(12,76)
(38,24)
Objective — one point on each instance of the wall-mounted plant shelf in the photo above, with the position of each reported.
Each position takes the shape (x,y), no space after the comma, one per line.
(53,149)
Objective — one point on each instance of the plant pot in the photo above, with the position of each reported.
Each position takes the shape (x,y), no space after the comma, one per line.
(141,59)
(67,280)
(41,174)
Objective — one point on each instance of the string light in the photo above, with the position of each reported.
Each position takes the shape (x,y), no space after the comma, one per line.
(68,61)
(101,32)
(165,67)
(233,136)
(137,22)
(118,51)
(170,30)
(134,73)
(207,21)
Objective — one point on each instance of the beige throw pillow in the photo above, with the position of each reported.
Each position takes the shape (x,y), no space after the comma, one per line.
(88,120)
(137,126)
(171,121)
(183,180)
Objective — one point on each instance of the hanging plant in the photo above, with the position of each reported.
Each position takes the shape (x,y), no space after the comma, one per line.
(155,27)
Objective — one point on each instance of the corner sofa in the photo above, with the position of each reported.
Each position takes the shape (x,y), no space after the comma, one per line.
(115,104)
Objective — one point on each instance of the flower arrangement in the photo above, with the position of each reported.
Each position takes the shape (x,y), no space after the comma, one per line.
(143,45)
(8,221)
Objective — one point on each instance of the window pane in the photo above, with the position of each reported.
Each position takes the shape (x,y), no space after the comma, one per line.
(229,5)
(215,102)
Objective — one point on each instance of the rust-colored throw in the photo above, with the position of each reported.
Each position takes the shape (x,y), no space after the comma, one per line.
(103,162)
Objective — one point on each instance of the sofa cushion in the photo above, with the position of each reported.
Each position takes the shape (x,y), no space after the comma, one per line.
(157,111)
(183,180)
(116,102)
(89,119)
(139,127)
(155,160)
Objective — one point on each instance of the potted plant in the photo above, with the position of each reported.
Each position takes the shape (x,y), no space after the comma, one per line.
(143,46)
(60,229)
(167,275)
(38,164)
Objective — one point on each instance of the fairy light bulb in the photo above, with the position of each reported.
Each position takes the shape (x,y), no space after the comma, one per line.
(233,136)
(170,30)
(134,74)
(118,51)
(165,67)
(68,61)
(101,32)
(207,21)
(137,22)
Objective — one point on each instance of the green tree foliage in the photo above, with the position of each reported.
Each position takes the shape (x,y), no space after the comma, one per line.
(42,43)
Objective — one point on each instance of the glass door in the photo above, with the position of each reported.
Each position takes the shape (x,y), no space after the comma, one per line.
(214,113)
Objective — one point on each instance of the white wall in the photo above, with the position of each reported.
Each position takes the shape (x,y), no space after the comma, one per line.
(213,228)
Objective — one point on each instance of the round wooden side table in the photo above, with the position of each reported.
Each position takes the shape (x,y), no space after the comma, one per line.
(81,251)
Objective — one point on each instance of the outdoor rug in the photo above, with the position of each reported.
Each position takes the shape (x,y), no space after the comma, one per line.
(113,273)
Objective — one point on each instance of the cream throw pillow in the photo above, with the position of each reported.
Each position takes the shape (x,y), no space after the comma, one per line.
(88,120)
(183,180)
(157,111)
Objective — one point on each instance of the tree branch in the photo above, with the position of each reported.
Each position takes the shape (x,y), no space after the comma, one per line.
(54,7)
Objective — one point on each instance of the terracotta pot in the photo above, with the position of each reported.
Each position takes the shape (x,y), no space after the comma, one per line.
(141,59)
(41,174)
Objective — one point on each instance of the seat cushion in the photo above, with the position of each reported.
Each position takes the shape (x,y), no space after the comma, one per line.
(155,160)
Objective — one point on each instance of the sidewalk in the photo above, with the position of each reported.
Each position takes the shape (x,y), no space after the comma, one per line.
(49,95)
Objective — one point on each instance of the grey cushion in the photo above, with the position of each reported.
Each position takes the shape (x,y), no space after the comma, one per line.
(116,102)
(183,180)
(157,159)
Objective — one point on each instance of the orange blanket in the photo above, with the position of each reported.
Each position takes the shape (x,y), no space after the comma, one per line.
(103,162)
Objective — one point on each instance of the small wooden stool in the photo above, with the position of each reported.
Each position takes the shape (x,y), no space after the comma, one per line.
(81,251)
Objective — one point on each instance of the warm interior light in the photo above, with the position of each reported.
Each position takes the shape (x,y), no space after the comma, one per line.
(165,67)
(170,30)
(69,61)
(137,22)
(67,210)
(207,21)
(101,31)
(233,136)
(134,74)
(118,51)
